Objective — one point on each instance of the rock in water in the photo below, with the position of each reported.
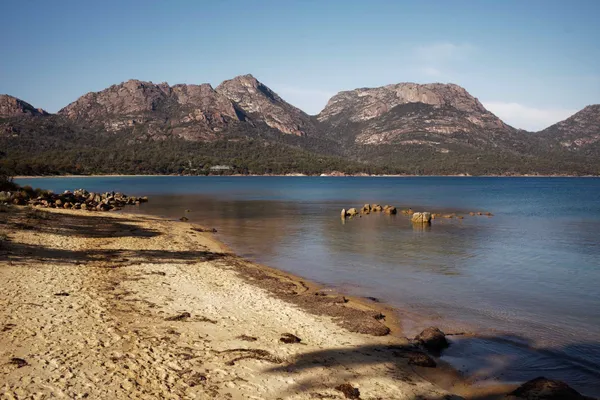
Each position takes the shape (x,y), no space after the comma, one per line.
(433,340)
(343,213)
(545,389)
(352,212)
(421,218)
(390,210)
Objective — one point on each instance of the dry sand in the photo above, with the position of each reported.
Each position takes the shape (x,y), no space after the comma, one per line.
(93,306)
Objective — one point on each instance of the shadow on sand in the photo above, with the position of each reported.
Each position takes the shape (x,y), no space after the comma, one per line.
(85,226)
(507,364)
(507,359)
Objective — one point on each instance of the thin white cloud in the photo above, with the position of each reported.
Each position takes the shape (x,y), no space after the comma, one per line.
(441,52)
(437,59)
(526,117)
(309,100)
(431,71)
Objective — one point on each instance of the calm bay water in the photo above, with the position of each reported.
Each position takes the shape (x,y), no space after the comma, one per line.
(527,280)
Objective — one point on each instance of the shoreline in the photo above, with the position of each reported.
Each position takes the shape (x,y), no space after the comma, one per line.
(355,314)
(305,176)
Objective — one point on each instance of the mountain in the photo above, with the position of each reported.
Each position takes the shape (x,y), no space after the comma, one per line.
(12,107)
(142,127)
(579,131)
(191,112)
(261,103)
(434,115)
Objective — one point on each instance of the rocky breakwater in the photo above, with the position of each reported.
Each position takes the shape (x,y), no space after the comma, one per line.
(79,199)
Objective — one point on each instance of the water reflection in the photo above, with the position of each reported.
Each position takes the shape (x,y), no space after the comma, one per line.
(419,228)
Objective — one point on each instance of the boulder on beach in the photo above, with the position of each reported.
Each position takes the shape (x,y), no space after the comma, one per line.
(376,208)
(433,340)
(352,212)
(343,213)
(421,218)
(366,209)
(545,389)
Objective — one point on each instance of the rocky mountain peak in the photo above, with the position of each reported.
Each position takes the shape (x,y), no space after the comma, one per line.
(189,111)
(130,97)
(434,115)
(13,107)
(257,100)
(367,103)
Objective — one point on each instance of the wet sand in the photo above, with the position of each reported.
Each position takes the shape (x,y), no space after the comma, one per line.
(127,306)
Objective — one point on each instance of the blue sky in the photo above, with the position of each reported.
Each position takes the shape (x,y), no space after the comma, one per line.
(531,62)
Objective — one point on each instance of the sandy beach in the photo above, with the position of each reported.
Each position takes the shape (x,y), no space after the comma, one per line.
(104,305)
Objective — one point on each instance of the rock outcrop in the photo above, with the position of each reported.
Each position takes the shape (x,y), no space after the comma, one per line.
(79,199)
(260,102)
(13,107)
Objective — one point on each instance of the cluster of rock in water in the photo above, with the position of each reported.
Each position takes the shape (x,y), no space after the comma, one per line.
(416,217)
(79,199)
(369,208)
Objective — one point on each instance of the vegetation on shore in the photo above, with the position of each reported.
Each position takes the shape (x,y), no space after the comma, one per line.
(94,153)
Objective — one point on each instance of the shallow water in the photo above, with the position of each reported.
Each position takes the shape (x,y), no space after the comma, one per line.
(526,279)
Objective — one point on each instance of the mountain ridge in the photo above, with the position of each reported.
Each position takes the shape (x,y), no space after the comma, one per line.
(397,128)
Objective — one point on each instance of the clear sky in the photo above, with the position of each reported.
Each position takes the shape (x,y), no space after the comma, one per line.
(532,62)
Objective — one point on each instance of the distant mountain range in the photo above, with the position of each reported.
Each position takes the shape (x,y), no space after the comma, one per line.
(405,128)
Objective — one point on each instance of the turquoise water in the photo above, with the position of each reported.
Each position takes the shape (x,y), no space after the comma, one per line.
(527,280)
